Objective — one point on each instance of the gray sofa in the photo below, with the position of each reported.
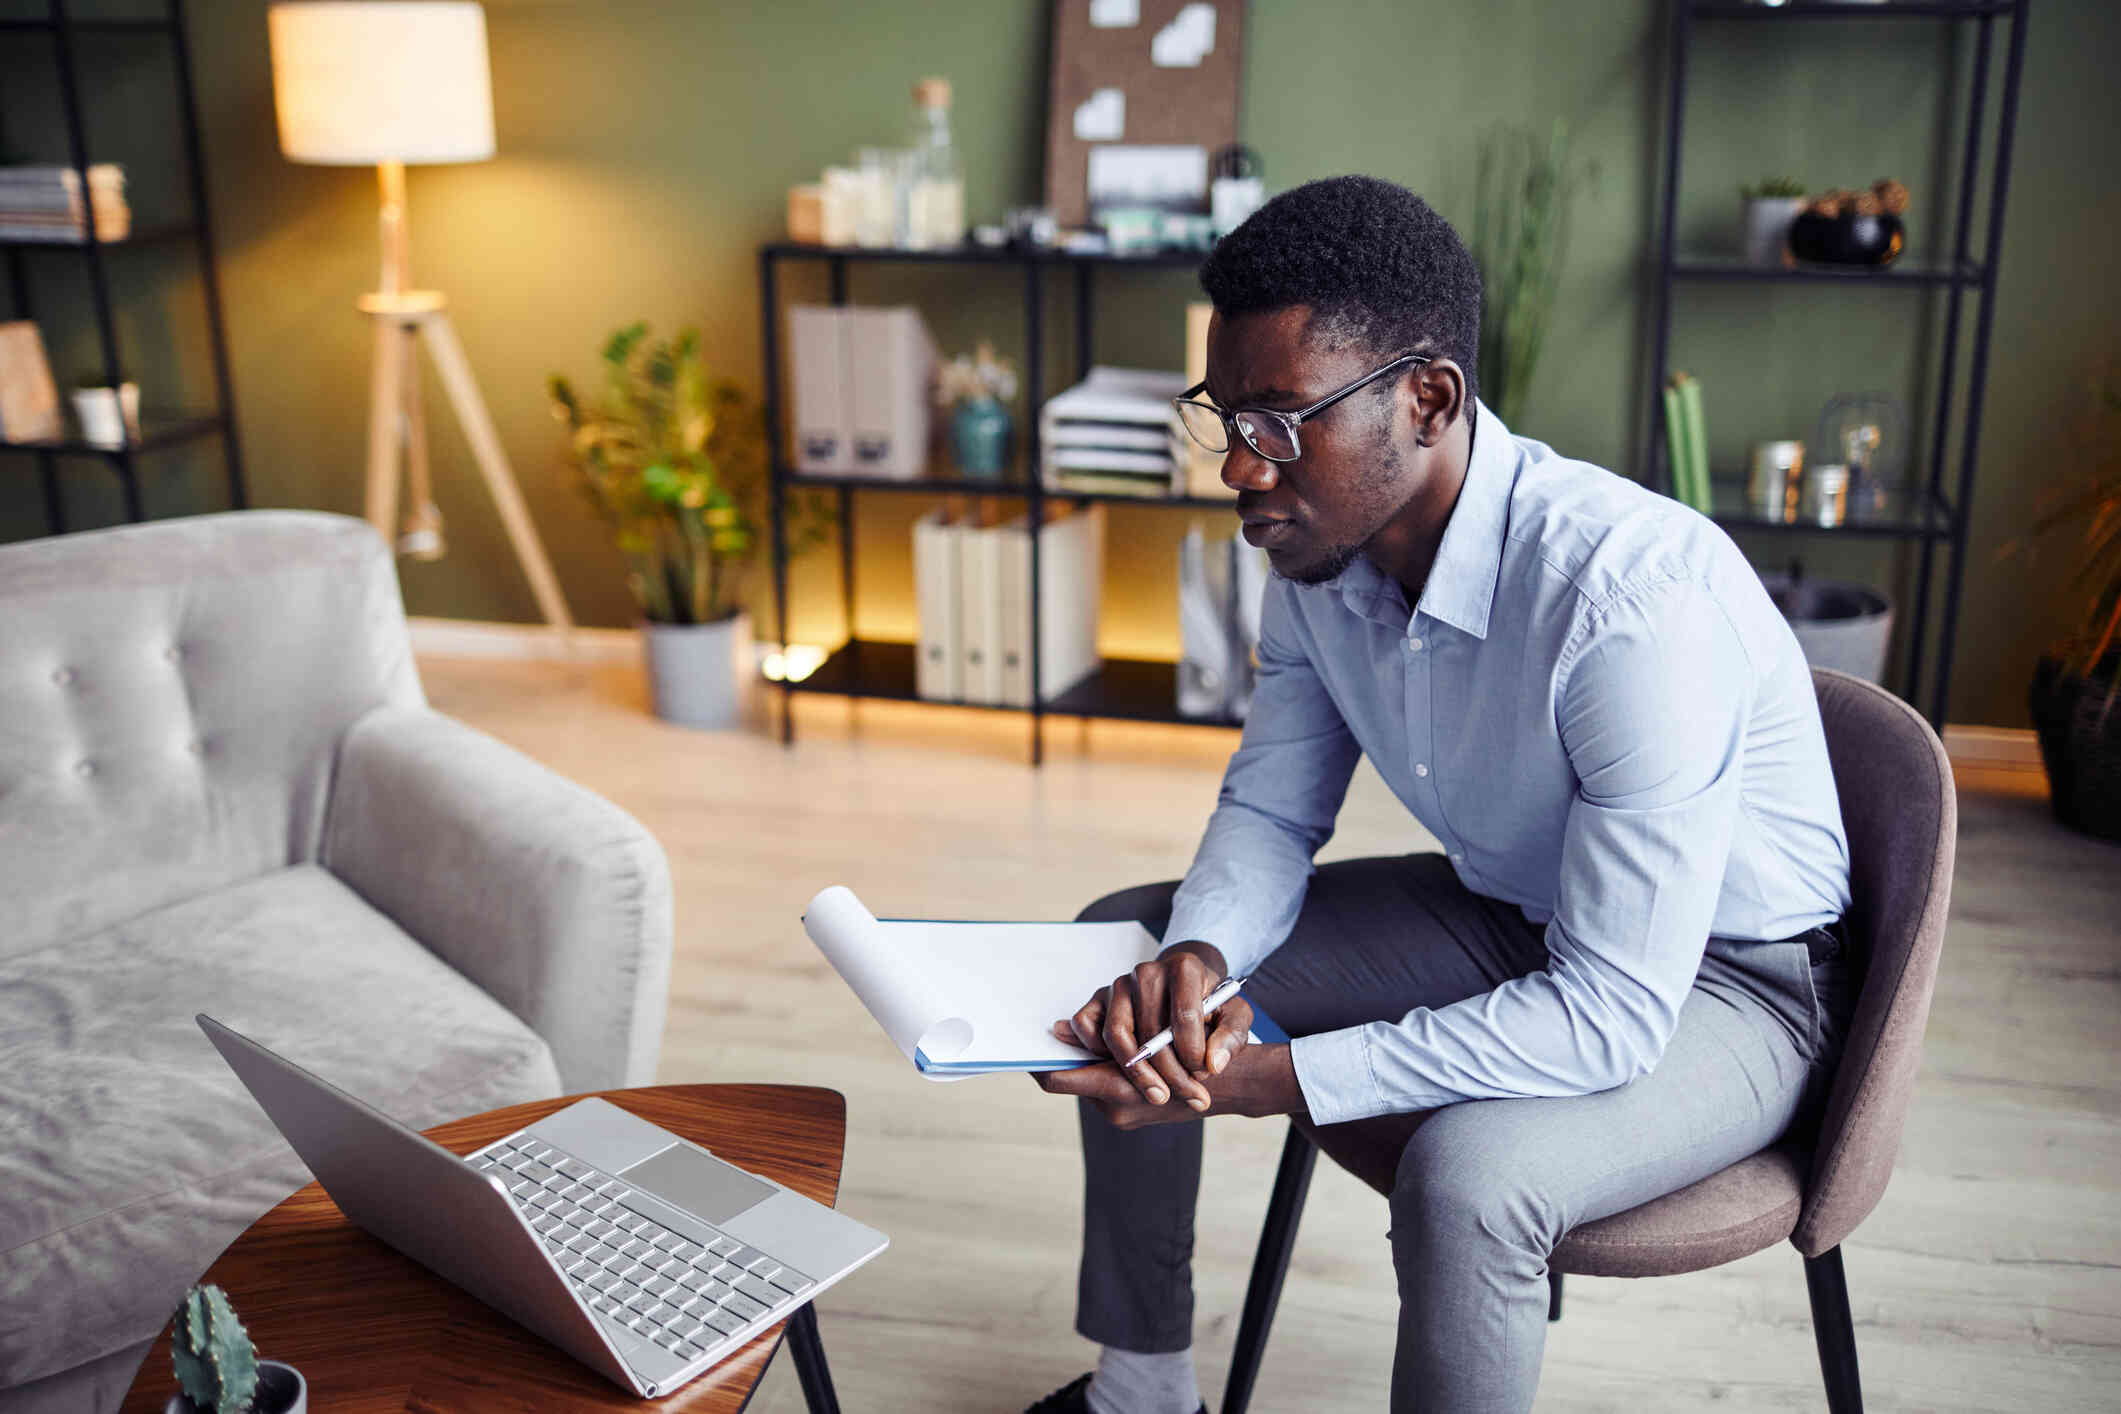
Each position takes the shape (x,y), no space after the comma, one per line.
(221,790)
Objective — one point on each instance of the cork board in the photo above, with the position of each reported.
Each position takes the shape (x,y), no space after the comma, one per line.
(1103,47)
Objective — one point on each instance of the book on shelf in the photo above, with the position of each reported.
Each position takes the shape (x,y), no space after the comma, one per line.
(45,203)
(1222,582)
(29,401)
(1203,468)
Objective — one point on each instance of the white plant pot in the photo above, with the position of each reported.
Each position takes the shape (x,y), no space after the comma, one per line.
(1766,222)
(702,675)
(1839,625)
(108,416)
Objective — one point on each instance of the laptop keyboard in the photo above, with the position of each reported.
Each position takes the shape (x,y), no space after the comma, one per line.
(681,1294)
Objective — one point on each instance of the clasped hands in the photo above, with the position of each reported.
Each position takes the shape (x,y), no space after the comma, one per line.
(1204,1068)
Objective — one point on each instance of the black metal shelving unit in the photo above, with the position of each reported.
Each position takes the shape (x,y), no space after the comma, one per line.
(1936,518)
(1132,689)
(159,429)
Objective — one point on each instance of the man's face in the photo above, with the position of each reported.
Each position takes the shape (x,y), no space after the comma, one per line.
(1315,514)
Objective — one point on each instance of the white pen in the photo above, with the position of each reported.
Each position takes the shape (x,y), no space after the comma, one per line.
(1209,1005)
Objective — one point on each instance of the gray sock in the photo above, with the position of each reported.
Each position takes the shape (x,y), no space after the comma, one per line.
(1128,1383)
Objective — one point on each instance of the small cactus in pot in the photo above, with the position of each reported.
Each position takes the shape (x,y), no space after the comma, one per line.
(217,1368)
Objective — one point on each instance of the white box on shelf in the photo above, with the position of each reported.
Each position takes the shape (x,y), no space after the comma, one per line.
(891,363)
(817,355)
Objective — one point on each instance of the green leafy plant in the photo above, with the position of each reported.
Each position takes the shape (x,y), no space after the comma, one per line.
(2096,511)
(674,460)
(1772,189)
(1520,240)
(217,1368)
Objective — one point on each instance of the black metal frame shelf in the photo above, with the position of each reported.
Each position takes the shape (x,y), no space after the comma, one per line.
(1130,689)
(163,430)
(1938,519)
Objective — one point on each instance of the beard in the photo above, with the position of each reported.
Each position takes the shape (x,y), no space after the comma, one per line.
(1376,501)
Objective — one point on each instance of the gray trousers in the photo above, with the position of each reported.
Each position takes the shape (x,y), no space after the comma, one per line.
(1486,1188)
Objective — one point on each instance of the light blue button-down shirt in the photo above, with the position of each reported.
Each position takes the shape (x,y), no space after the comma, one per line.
(1600,714)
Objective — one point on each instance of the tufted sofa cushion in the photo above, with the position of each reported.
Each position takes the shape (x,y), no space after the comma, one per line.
(130,1155)
(172,696)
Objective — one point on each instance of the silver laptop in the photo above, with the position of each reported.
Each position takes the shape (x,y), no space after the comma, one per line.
(638,1253)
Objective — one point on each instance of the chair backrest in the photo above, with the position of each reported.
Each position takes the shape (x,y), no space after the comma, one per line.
(171,698)
(1902,817)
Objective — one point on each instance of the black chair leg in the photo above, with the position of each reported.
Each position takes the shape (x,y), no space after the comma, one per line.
(1269,1265)
(1835,1331)
(1553,1296)
(810,1368)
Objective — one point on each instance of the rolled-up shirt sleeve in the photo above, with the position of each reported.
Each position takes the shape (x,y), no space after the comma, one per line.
(1280,796)
(1655,693)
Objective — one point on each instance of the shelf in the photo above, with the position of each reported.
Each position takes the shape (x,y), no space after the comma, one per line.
(983,255)
(157,430)
(1900,272)
(1926,518)
(140,236)
(1848,9)
(1130,689)
(1009,486)
(142,25)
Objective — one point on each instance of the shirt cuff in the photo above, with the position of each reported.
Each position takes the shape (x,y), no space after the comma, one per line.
(1333,1071)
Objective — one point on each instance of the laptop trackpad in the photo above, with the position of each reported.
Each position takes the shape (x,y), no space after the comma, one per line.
(686,1178)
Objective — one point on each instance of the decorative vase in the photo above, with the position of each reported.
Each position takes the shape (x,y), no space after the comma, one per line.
(1766,223)
(1847,239)
(2080,744)
(281,1390)
(979,436)
(700,675)
(108,416)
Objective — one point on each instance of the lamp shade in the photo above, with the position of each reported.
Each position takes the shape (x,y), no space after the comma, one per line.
(381,81)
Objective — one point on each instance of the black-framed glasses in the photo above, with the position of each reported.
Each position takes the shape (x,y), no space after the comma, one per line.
(1267,431)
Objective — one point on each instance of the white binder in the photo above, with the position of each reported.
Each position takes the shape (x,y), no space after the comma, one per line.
(891,363)
(979,619)
(1071,580)
(938,672)
(817,355)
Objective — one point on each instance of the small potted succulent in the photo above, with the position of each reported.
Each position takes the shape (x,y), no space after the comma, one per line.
(2076,690)
(978,388)
(673,460)
(218,1370)
(1766,209)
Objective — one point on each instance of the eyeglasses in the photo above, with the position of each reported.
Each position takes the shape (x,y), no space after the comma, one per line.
(1267,431)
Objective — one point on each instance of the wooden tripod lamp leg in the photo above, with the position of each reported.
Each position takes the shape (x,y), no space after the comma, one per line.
(463,392)
(386,374)
(421,535)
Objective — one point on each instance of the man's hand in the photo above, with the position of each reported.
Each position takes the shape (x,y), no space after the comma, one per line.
(1260,1081)
(1165,992)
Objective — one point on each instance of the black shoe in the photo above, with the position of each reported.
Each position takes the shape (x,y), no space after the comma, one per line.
(1072,1398)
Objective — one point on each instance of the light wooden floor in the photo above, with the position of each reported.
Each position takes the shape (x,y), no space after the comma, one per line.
(1989,1279)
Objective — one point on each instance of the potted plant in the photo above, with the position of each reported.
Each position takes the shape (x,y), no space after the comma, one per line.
(978,387)
(218,1370)
(2076,689)
(673,460)
(1766,209)
(1520,240)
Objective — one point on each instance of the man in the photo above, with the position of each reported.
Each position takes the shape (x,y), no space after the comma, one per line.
(1619,977)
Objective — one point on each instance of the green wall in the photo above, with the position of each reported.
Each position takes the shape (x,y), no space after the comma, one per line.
(646,149)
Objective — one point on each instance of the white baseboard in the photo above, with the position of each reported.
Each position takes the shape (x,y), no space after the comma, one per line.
(2009,748)
(475,638)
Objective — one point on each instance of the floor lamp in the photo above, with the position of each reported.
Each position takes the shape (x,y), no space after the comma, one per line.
(384,83)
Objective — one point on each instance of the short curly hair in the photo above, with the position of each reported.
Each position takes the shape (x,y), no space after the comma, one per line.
(1374,262)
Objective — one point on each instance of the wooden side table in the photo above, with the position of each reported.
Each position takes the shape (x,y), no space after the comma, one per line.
(374,1332)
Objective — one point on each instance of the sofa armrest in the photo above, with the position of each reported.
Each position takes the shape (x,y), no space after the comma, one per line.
(551,898)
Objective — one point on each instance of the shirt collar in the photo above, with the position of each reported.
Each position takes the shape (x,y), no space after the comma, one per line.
(1461,587)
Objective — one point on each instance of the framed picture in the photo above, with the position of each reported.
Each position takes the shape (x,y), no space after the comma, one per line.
(1143,93)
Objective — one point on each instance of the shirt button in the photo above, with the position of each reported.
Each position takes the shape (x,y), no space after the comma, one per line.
(1414,645)
(1420,769)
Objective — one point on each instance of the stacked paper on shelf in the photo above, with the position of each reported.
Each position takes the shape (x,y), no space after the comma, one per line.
(44,204)
(1115,433)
